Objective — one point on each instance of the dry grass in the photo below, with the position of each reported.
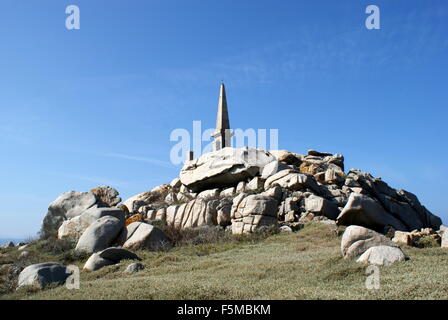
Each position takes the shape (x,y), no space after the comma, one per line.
(302,265)
(211,235)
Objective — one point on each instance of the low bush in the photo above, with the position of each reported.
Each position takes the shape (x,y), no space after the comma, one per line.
(55,246)
(212,234)
(73,256)
(427,242)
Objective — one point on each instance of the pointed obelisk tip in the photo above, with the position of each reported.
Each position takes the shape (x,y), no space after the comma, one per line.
(222,132)
(222,90)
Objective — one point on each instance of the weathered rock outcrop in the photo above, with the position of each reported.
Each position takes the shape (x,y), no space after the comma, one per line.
(275,192)
(399,207)
(321,206)
(66,206)
(224,168)
(415,237)
(100,234)
(382,255)
(273,167)
(208,194)
(108,257)
(356,240)
(223,211)
(292,180)
(156,194)
(74,228)
(142,235)
(364,211)
(42,274)
(106,196)
(444,243)
(317,162)
(195,213)
(290,208)
(212,189)
(253,211)
(288,157)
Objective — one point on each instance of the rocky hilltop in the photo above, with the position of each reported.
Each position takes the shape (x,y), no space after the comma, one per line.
(245,189)
(240,191)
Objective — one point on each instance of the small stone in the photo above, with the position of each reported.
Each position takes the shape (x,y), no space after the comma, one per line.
(134,267)
(285,229)
(24,255)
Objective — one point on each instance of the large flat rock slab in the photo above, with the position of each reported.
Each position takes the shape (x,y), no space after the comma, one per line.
(225,167)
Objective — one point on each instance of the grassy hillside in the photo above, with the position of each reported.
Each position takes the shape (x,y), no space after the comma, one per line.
(303,265)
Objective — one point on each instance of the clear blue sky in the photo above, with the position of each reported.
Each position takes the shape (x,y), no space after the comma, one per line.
(96,106)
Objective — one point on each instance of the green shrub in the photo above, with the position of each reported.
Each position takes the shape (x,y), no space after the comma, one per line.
(55,246)
(73,256)
(427,242)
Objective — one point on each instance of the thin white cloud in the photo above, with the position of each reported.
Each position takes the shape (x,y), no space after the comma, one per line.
(154,161)
(403,42)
